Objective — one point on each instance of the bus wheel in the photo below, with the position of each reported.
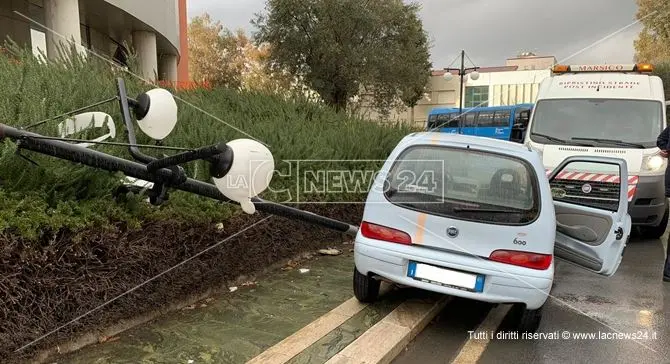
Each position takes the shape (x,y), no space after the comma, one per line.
(655,232)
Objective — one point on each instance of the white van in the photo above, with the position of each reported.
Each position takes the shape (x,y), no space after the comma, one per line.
(476,218)
(605,110)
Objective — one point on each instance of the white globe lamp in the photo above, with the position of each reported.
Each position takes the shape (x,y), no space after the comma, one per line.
(156,113)
(249,175)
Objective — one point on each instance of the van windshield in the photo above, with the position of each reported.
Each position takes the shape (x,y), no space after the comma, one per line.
(464,184)
(598,122)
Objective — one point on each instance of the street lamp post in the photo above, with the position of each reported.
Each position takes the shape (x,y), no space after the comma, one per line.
(462,71)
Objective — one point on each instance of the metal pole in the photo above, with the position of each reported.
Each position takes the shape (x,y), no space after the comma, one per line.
(93,158)
(460,92)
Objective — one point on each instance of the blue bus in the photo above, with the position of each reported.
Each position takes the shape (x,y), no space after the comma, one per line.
(499,122)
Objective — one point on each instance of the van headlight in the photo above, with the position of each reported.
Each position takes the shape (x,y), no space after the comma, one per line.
(654,163)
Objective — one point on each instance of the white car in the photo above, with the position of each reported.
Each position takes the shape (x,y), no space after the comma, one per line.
(479,218)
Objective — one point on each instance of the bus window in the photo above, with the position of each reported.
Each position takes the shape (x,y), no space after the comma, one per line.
(442,120)
(521,117)
(447,120)
(485,119)
(453,120)
(432,121)
(501,118)
(470,120)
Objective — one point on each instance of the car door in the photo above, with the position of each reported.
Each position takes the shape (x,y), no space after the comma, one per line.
(591,204)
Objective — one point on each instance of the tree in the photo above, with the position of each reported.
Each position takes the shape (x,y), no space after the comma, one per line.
(341,47)
(255,69)
(653,43)
(662,70)
(230,59)
(210,57)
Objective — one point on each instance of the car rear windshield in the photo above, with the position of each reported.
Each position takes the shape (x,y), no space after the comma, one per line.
(464,184)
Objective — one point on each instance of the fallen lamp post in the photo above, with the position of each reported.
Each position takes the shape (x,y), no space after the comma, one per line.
(156,114)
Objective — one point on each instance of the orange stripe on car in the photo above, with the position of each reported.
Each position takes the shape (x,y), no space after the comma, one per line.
(421,226)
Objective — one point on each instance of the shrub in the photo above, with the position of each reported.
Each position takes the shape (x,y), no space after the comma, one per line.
(294,129)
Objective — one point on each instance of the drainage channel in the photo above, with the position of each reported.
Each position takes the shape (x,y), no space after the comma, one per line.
(232,327)
(303,314)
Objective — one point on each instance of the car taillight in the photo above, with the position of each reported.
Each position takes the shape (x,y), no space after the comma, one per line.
(522,259)
(379,232)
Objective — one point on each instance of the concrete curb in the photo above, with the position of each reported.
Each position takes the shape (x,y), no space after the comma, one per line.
(302,339)
(386,339)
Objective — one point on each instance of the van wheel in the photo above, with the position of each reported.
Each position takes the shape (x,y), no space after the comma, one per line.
(655,232)
(366,289)
(526,320)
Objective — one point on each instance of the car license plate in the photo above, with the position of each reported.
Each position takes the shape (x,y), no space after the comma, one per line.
(446,277)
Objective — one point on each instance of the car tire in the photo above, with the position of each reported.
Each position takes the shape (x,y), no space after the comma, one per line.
(526,320)
(366,288)
(655,232)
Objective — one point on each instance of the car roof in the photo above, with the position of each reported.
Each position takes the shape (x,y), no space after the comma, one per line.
(435,137)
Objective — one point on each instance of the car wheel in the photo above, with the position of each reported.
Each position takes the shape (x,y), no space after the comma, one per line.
(526,320)
(655,232)
(366,289)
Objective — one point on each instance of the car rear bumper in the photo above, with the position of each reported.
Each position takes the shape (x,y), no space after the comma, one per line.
(503,283)
(648,205)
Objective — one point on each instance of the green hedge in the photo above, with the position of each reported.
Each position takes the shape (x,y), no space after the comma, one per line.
(61,195)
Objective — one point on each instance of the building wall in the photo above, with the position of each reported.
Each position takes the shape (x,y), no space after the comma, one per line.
(440,93)
(503,88)
(183,74)
(161,15)
(512,87)
(532,63)
(13,25)
(105,26)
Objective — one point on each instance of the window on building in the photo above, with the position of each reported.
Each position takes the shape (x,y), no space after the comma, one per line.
(476,96)
(85,35)
(501,118)
(121,55)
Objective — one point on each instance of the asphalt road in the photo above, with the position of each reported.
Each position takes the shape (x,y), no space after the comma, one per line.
(635,301)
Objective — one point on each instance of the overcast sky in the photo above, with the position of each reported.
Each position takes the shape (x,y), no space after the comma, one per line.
(492,30)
